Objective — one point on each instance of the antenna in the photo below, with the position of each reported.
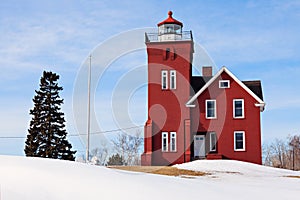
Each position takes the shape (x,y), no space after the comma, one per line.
(88,111)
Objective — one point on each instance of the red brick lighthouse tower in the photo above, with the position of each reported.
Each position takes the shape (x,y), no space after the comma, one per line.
(167,130)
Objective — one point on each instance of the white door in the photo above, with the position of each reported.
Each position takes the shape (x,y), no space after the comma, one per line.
(199,146)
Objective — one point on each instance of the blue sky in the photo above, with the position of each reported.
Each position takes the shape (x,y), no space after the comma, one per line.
(254,39)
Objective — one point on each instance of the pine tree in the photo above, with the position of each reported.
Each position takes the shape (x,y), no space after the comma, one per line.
(47,134)
(115,160)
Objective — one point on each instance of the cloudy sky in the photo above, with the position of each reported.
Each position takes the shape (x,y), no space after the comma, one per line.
(254,39)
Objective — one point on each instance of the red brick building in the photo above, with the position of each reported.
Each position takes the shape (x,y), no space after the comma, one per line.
(196,117)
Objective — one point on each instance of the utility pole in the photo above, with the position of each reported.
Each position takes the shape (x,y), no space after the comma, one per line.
(293,158)
(88,111)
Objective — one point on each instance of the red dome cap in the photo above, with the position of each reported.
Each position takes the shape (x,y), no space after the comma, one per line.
(170,20)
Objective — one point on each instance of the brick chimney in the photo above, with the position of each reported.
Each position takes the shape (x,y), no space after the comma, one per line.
(207,71)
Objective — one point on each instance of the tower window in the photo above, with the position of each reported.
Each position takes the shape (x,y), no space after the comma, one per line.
(172,79)
(173,142)
(164,79)
(167,53)
(164,141)
(211,110)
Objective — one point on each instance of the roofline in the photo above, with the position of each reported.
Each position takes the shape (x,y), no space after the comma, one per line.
(174,21)
(224,69)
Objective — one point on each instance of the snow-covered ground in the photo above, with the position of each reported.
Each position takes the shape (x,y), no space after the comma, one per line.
(38,179)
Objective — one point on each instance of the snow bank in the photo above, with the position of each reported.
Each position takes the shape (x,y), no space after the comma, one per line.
(236,167)
(45,179)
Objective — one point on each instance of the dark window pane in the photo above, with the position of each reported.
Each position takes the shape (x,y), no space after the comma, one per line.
(173,144)
(173,82)
(238,113)
(239,145)
(164,83)
(238,104)
(210,113)
(213,142)
(224,84)
(210,104)
(164,144)
(239,136)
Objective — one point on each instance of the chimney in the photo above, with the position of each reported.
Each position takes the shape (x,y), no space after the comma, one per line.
(207,71)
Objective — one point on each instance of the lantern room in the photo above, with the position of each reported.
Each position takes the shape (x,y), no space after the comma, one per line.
(169,29)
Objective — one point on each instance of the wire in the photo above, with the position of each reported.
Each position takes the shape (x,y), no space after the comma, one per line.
(109,131)
(11,137)
(77,135)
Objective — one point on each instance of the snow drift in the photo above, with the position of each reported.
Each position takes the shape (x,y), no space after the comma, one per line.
(38,179)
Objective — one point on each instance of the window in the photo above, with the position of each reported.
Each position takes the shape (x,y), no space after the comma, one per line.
(213,141)
(224,84)
(173,141)
(238,108)
(164,137)
(239,141)
(211,109)
(164,78)
(173,79)
(167,53)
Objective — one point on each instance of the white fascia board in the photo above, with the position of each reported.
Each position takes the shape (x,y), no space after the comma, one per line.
(204,87)
(261,105)
(224,69)
(245,87)
(190,105)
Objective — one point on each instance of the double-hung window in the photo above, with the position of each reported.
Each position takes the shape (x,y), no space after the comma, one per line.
(164,141)
(173,141)
(238,108)
(211,109)
(164,79)
(172,79)
(239,141)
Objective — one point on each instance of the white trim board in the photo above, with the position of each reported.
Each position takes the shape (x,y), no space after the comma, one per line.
(260,103)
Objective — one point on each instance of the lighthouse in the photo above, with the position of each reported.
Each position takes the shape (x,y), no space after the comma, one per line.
(213,116)
(167,129)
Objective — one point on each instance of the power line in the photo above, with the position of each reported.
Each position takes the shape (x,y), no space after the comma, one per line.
(77,135)
(11,137)
(109,131)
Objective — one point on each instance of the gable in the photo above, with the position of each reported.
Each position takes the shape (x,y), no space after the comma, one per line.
(253,88)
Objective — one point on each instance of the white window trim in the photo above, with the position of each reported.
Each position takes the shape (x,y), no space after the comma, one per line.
(210,142)
(171,145)
(164,135)
(164,73)
(172,71)
(243,109)
(215,113)
(244,141)
(224,81)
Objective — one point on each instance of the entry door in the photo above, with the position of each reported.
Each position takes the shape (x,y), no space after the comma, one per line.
(199,146)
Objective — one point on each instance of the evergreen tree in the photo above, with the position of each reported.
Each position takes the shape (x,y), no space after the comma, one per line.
(115,160)
(47,134)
